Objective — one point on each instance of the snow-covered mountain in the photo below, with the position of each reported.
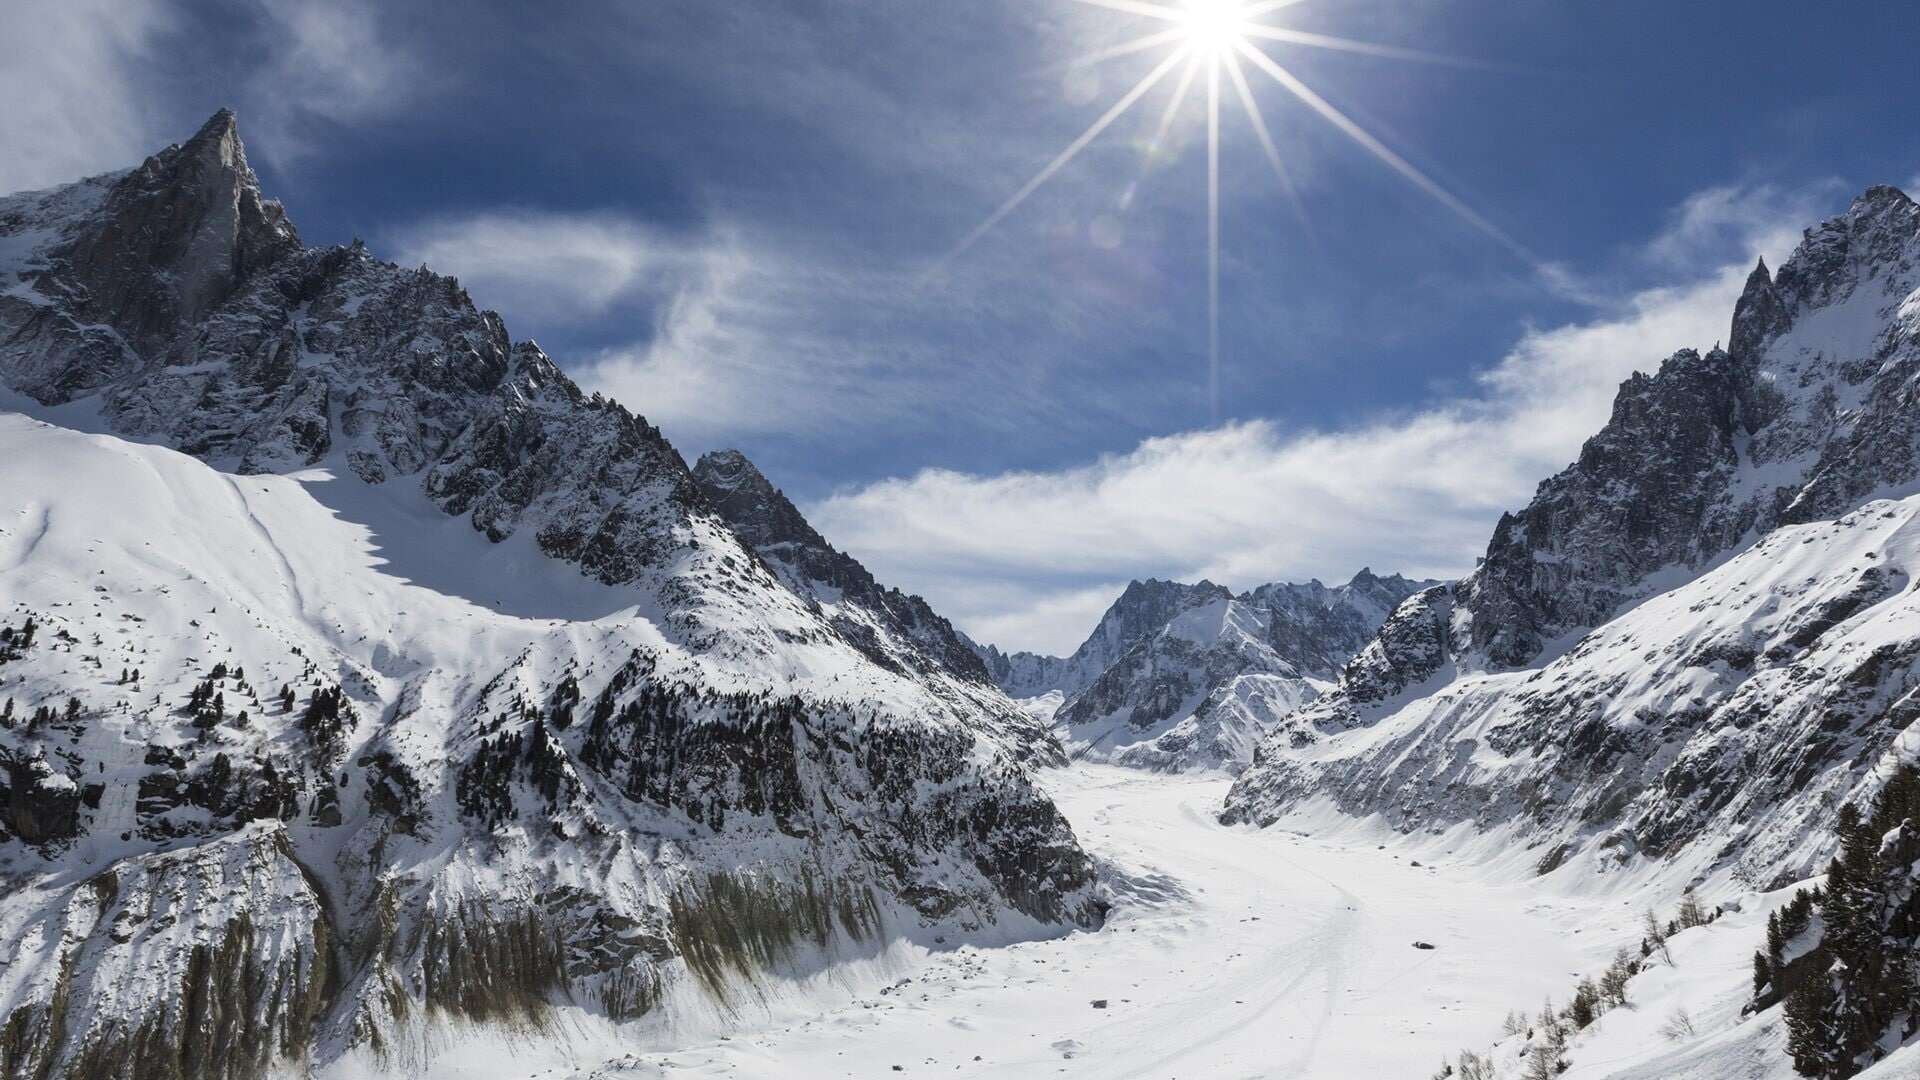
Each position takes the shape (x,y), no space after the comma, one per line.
(1178,676)
(895,630)
(362,676)
(1143,610)
(1700,636)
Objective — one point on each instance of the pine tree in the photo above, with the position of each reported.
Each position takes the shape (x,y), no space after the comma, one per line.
(1543,1063)
(1586,1004)
(1691,914)
(1655,938)
(1613,981)
(1550,1027)
(1762,973)
(1862,977)
(1475,1067)
(1809,1040)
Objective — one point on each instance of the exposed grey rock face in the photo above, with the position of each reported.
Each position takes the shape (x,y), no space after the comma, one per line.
(1648,492)
(1716,449)
(167,243)
(1318,628)
(43,804)
(487,817)
(1411,646)
(1700,632)
(237,983)
(894,629)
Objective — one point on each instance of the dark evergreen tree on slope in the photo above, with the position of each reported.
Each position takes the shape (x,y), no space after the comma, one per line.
(1857,994)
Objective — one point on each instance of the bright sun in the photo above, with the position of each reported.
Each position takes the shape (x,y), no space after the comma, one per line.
(1209,48)
(1214,27)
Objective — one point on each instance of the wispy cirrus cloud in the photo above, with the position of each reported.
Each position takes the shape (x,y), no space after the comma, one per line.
(336,62)
(546,265)
(70,75)
(1415,491)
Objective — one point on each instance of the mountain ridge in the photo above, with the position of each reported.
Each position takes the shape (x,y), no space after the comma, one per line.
(1611,683)
(407,624)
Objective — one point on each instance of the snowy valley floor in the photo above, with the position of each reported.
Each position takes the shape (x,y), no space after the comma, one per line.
(1231,953)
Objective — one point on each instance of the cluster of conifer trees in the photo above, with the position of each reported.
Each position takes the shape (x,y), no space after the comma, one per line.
(1854,992)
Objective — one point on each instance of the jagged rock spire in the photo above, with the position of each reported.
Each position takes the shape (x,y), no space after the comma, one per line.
(1760,314)
(178,233)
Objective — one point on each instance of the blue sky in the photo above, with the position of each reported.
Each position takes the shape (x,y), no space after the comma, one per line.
(726,215)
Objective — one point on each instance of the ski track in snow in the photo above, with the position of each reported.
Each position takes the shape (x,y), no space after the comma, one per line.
(1288,956)
(39,533)
(265,536)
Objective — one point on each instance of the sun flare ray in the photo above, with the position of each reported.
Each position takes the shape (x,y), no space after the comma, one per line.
(1180,91)
(1213,236)
(1128,48)
(1216,36)
(1352,129)
(1364,48)
(1072,151)
(1268,146)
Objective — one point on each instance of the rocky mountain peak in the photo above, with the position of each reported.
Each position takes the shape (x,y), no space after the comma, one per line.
(759,512)
(1760,315)
(472,714)
(1154,597)
(1881,196)
(732,468)
(1875,239)
(179,233)
(1701,617)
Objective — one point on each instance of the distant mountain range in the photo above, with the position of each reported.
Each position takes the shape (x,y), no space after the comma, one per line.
(1178,676)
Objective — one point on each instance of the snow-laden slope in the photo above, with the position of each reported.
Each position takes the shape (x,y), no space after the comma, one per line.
(1742,675)
(898,631)
(1734,711)
(653,803)
(451,683)
(1230,953)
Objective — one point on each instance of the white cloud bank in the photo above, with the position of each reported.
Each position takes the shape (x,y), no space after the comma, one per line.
(1253,502)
